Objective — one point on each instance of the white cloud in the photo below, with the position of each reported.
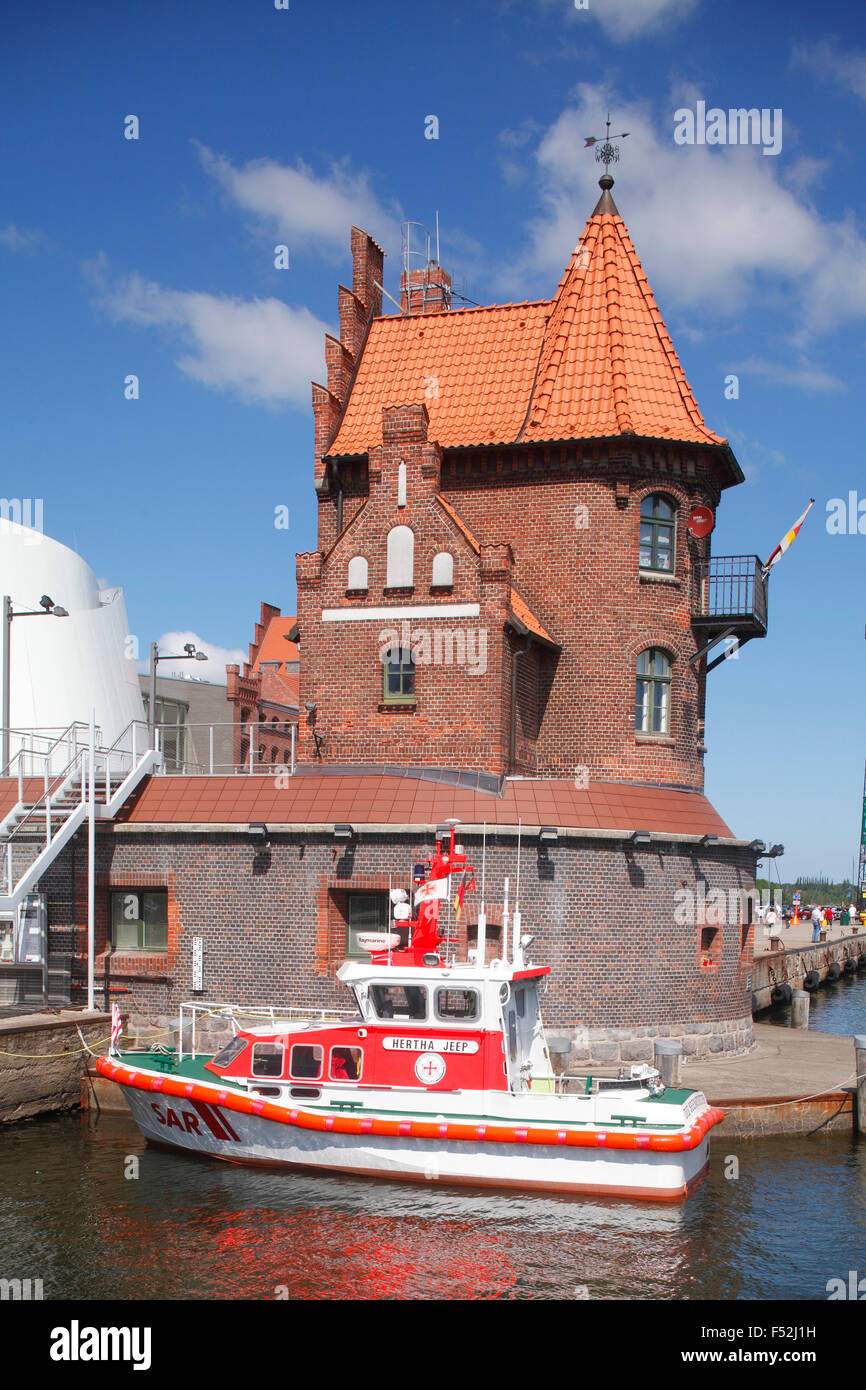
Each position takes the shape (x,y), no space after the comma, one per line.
(262,350)
(624,20)
(825,60)
(304,209)
(214,669)
(714,226)
(805,376)
(21,238)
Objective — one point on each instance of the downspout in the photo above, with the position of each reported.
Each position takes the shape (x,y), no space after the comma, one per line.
(512,742)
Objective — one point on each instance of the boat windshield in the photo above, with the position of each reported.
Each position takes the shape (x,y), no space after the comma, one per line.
(230,1052)
(399,1001)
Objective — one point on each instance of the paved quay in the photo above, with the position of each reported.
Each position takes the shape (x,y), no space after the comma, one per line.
(793,1081)
(792,937)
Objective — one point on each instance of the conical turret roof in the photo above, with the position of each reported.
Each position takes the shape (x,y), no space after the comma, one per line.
(607,364)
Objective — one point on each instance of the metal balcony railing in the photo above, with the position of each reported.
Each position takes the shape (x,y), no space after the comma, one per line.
(730,591)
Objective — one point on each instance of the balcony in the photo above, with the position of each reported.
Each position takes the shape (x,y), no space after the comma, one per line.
(729,603)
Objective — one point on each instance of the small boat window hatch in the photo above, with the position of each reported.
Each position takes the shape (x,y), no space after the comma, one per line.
(305,1092)
(346,1063)
(306,1061)
(268,1059)
(459,1004)
(269,1091)
(230,1053)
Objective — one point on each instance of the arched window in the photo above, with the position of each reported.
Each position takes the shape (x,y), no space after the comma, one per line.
(398,675)
(657,533)
(443,569)
(401,558)
(652,706)
(357,573)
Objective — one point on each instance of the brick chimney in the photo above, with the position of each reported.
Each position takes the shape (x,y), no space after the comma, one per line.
(426,290)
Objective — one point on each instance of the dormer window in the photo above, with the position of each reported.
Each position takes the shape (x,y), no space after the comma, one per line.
(401,558)
(657,533)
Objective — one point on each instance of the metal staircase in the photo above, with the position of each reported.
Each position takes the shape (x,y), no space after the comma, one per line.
(47,822)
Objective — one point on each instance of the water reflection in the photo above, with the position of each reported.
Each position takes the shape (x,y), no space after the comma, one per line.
(794,1218)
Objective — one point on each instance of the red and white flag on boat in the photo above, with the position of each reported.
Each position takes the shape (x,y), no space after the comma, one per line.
(432,889)
(115,1028)
(787,539)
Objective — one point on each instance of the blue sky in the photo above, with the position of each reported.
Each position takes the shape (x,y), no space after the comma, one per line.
(261,126)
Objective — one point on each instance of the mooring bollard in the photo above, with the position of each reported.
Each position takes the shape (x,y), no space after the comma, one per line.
(667,1055)
(860,1060)
(799,1009)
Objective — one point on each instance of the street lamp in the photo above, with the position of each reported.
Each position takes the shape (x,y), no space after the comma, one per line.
(189,654)
(47,609)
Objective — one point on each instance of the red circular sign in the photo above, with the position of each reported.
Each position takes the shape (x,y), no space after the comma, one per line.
(701,521)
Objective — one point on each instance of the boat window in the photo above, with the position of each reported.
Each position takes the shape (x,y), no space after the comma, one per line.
(229,1053)
(457,1003)
(520,1001)
(268,1059)
(306,1061)
(346,1063)
(399,1001)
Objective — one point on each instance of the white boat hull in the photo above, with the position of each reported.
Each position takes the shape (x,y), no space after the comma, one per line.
(211,1130)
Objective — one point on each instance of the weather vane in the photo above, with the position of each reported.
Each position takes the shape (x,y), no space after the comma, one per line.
(607,153)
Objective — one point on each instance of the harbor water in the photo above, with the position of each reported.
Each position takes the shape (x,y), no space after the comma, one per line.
(93,1213)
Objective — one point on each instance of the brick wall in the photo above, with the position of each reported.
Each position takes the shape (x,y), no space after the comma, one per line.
(273,926)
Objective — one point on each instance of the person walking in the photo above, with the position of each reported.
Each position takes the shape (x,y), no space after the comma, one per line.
(816,923)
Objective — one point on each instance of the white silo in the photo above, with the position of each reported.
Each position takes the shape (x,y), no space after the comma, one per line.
(62,667)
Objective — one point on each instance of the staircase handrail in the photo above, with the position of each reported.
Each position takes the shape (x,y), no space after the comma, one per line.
(43,802)
(44,754)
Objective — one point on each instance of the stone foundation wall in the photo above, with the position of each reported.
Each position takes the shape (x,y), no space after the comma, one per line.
(612,1047)
(42,1062)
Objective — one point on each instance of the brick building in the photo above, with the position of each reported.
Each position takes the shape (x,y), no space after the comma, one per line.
(264,696)
(507,621)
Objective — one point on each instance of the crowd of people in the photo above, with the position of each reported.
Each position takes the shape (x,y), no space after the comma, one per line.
(822,918)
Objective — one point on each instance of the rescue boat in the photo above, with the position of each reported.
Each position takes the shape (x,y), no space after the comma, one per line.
(440,1073)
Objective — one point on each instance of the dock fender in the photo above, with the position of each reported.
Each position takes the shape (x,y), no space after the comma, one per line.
(834,971)
(781,994)
(811,979)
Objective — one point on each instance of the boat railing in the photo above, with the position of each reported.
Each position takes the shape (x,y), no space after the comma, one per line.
(192,1012)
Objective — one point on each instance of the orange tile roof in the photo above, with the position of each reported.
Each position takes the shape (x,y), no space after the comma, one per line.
(608,365)
(472,368)
(524,615)
(275,645)
(458,521)
(594,362)
(370,798)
